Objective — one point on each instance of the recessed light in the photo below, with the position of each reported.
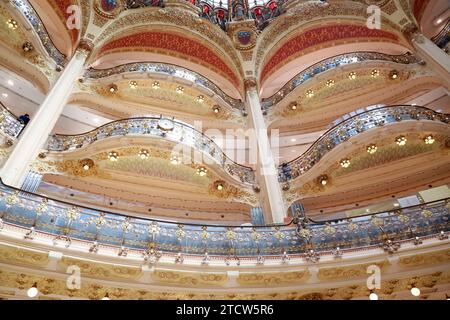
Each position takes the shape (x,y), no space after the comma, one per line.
(293,140)
(96,120)
(4,95)
(10,82)
(439,21)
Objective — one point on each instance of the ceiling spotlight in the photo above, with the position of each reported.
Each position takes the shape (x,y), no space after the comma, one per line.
(438,21)
(156,85)
(372,148)
(200,98)
(429,139)
(27,47)
(113,88)
(202,171)
(375,73)
(415,291)
(113,156)
(323,180)
(345,163)
(133,84)
(401,140)
(12,24)
(393,74)
(330,83)
(180,89)
(219,185)
(216,109)
(309,93)
(294,105)
(352,75)
(373,296)
(175,160)
(33,291)
(143,154)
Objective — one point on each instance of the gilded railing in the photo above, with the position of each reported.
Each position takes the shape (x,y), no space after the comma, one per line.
(33,18)
(165,69)
(65,222)
(9,124)
(331,63)
(351,127)
(171,130)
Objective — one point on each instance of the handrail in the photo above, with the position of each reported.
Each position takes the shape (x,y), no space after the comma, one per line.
(9,123)
(168,69)
(33,18)
(149,126)
(353,126)
(331,63)
(66,221)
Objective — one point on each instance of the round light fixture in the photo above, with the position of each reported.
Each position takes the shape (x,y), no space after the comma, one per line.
(429,139)
(27,47)
(219,185)
(345,163)
(87,164)
(12,24)
(293,105)
(401,140)
(143,154)
(180,89)
(309,93)
(106,297)
(200,98)
(352,75)
(372,148)
(202,171)
(323,180)
(375,73)
(113,156)
(415,291)
(216,109)
(113,88)
(33,291)
(373,296)
(330,83)
(156,85)
(133,84)
(393,74)
(175,160)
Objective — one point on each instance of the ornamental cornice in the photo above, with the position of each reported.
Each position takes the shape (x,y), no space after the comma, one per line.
(174,17)
(314,14)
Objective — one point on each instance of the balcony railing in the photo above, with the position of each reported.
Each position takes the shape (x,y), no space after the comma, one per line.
(65,222)
(149,126)
(351,127)
(331,63)
(33,18)
(168,70)
(9,124)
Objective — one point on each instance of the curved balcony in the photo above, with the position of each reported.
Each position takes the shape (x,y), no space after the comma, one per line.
(331,63)
(9,124)
(351,127)
(61,223)
(167,70)
(150,126)
(33,18)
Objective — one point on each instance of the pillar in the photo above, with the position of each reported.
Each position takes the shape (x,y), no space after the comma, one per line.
(434,56)
(271,195)
(42,123)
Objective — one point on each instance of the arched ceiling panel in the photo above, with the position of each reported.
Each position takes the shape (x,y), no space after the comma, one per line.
(170,47)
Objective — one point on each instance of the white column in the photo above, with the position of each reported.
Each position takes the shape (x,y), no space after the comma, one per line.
(271,195)
(42,123)
(434,56)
